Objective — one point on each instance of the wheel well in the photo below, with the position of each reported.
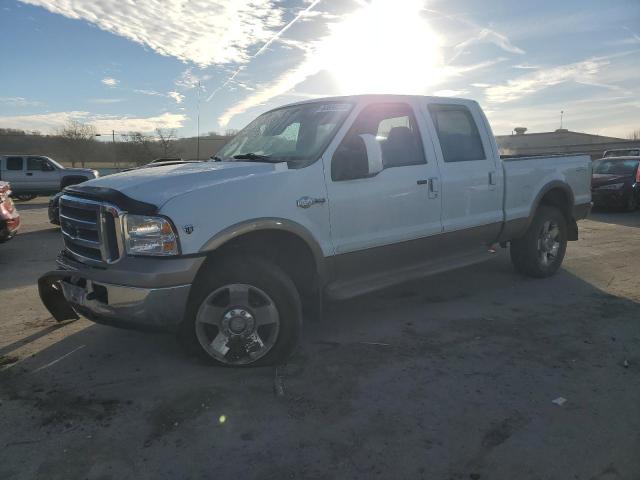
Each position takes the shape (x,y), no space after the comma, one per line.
(559,198)
(285,249)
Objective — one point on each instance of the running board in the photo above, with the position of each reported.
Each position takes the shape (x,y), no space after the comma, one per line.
(343,290)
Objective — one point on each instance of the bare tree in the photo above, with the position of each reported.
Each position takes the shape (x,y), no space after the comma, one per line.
(231,132)
(79,139)
(140,148)
(167,139)
(635,135)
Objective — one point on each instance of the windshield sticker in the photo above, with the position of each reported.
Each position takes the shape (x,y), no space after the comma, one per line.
(334,107)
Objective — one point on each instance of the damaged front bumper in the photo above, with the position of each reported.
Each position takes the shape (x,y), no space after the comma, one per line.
(70,292)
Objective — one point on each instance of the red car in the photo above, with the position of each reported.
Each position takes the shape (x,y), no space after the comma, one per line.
(9,216)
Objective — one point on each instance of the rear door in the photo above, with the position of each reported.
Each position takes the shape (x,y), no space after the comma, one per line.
(471,179)
(14,173)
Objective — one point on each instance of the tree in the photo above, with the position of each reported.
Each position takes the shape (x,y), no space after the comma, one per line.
(635,135)
(139,148)
(167,139)
(79,139)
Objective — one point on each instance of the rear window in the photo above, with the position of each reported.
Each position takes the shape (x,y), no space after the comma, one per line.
(14,163)
(457,132)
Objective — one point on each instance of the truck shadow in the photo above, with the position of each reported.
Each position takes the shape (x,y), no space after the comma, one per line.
(437,374)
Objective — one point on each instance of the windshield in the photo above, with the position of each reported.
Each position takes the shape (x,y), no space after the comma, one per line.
(54,162)
(622,153)
(615,167)
(297,133)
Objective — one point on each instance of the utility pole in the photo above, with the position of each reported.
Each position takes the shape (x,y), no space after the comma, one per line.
(198,121)
(561,115)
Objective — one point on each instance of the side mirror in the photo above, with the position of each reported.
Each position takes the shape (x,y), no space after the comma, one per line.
(359,157)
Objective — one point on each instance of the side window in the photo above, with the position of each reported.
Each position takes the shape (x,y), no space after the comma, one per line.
(14,163)
(458,134)
(393,126)
(37,164)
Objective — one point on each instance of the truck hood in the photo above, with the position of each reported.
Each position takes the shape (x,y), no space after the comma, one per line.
(157,185)
(601,179)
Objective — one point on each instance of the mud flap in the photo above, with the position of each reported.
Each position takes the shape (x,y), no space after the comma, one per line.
(52,297)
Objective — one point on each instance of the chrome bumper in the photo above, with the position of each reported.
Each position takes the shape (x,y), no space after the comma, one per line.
(117,305)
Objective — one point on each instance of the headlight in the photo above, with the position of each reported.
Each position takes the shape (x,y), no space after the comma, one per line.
(613,186)
(145,235)
(96,173)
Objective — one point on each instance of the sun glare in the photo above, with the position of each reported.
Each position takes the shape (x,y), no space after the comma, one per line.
(384,47)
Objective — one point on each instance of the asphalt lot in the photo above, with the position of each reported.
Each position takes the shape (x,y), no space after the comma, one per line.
(452,377)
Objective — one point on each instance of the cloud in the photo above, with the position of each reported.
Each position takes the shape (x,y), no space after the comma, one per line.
(450,93)
(106,101)
(18,102)
(584,72)
(176,96)
(486,35)
(148,92)
(49,122)
(110,82)
(204,33)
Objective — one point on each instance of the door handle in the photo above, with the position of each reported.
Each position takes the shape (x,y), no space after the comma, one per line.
(29,174)
(423,182)
(492,178)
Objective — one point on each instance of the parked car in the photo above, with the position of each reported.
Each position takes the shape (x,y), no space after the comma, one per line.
(9,216)
(329,198)
(54,208)
(33,175)
(622,152)
(616,182)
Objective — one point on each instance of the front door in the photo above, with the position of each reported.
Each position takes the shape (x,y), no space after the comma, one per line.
(378,220)
(42,176)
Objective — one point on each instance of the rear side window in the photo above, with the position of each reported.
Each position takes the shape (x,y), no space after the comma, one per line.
(14,163)
(457,132)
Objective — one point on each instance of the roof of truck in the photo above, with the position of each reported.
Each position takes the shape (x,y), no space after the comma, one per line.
(382,96)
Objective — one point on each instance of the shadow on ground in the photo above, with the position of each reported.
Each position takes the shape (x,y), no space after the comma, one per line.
(449,377)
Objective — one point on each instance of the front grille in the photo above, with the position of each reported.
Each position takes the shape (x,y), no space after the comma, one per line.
(90,229)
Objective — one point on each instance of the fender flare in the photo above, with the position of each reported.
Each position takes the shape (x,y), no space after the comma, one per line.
(546,189)
(268,223)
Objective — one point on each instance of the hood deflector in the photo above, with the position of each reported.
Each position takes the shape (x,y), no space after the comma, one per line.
(112,196)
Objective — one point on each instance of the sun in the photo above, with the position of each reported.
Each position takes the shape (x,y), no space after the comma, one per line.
(384,47)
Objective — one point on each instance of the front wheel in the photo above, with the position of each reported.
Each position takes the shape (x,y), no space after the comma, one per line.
(539,253)
(245,311)
(632,203)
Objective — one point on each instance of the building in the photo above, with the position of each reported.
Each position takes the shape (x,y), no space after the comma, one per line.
(562,141)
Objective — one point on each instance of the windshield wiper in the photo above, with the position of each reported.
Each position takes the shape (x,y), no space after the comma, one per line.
(255,157)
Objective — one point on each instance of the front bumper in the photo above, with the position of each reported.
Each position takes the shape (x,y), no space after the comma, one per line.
(74,290)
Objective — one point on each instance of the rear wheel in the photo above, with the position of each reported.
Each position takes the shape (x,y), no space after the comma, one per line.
(539,253)
(244,312)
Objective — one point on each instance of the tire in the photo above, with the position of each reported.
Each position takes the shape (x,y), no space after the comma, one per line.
(539,253)
(229,302)
(25,197)
(632,203)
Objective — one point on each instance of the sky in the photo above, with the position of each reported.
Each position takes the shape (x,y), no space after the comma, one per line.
(135,66)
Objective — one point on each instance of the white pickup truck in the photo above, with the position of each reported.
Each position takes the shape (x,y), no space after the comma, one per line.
(329,198)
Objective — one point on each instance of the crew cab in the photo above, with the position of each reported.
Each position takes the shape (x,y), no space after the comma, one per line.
(33,175)
(324,199)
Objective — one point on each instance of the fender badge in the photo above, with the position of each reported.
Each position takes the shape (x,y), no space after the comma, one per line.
(188,229)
